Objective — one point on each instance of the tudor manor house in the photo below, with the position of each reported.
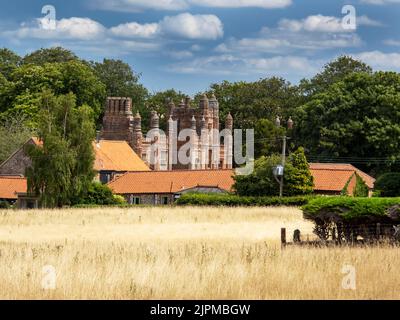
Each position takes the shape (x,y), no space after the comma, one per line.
(159,151)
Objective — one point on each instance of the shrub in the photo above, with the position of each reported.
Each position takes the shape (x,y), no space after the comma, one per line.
(388,184)
(99,194)
(4,205)
(297,177)
(345,218)
(198,199)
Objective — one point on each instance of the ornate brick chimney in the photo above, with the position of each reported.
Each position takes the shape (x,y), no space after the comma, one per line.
(118,120)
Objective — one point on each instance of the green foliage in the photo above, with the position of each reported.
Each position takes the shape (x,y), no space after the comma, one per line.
(62,169)
(121,81)
(388,185)
(27,82)
(49,55)
(4,205)
(13,134)
(159,102)
(348,208)
(200,199)
(250,101)
(297,177)
(361,189)
(99,194)
(9,61)
(357,117)
(333,72)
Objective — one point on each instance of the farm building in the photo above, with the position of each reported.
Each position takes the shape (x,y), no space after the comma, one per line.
(163,187)
(334,179)
(113,158)
(11,187)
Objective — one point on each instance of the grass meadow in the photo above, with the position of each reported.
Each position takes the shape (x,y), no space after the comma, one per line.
(180,253)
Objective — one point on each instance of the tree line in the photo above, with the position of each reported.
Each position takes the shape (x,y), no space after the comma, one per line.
(346,113)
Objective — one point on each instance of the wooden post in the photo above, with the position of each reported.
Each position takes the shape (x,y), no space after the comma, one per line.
(378,230)
(283,237)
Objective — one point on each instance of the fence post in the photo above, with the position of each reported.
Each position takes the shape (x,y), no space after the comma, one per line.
(378,230)
(283,237)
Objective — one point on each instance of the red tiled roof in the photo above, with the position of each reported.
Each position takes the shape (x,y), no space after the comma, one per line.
(117,156)
(170,181)
(11,185)
(333,176)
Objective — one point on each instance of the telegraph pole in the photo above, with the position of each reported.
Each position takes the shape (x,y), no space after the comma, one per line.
(283,165)
(284,140)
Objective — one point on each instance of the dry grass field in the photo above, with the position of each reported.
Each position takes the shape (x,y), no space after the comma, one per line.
(180,253)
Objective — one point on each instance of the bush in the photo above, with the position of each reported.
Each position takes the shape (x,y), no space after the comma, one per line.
(99,194)
(298,180)
(4,205)
(388,185)
(198,199)
(346,218)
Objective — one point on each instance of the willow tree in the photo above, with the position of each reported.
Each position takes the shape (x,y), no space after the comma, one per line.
(62,165)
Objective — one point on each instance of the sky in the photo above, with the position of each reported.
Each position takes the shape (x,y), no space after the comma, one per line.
(190,44)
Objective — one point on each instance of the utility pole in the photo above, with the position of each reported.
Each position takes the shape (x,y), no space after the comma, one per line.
(279,172)
(283,164)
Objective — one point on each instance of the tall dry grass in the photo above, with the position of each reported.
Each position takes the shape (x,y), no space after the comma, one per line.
(181,253)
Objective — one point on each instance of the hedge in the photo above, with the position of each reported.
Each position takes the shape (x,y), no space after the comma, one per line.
(197,199)
(347,208)
(344,219)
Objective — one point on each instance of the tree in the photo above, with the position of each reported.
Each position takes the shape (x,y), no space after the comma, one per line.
(121,81)
(266,135)
(356,120)
(388,184)
(297,177)
(27,82)
(13,134)
(159,103)
(9,61)
(62,168)
(250,101)
(49,55)
(99,194)
(333,72)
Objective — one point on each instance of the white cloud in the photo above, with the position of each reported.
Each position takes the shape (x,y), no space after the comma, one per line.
(392,42)
(321,23)
(191,26)
(380,60)
(140,5)
(226,64)
(266,4)
(380,2)
(177,5)
(71,28)
(135,30)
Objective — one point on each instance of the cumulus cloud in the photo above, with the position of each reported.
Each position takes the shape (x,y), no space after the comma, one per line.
(321,23)
(136,30)
(380,2)
(392,42)
(191,26)
(176,5)
(185,25)
(228,64)
(71,28)
(266,4)
(380,60)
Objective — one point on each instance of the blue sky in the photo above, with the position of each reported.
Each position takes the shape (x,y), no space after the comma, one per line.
(189,44)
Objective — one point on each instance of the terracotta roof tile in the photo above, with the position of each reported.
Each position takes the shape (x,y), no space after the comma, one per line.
(117,156)
(11,185)
(170,181)
(334,176)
